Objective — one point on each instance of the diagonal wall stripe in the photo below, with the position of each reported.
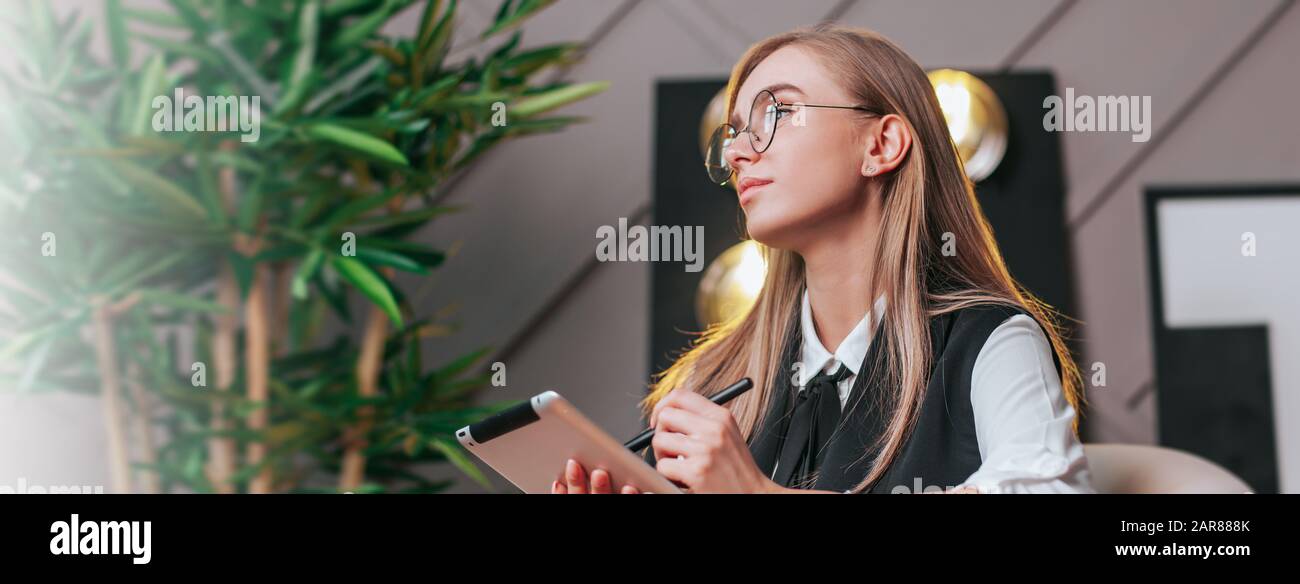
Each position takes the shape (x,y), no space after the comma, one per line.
(1206,88)
(1037,33)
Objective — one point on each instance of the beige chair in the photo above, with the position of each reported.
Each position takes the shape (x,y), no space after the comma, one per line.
(1144,469)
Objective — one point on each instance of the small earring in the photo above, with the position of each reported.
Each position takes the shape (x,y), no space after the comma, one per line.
(871,170)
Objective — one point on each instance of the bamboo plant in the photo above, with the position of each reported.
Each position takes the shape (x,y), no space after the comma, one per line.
(198,282)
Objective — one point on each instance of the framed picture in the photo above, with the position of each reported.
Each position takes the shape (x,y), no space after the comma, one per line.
(1224,270)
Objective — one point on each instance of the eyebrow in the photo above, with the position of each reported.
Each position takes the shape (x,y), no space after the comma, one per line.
(774,88)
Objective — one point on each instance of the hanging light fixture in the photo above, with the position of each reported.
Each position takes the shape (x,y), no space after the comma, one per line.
(730,284)
(976,120)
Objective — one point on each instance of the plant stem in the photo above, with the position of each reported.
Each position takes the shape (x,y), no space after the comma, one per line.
(280,301)
(257,361)
(369,364)
(221,448)
(110,391)
(144,430)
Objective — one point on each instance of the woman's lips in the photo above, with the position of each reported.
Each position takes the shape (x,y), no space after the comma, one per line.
(748,186)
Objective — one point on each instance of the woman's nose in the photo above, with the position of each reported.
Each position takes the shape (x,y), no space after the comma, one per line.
(740,149)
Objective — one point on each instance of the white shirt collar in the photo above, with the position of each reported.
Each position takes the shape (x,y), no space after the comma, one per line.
(852,350)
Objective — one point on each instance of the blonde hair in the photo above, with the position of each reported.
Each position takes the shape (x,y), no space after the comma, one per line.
(927,195)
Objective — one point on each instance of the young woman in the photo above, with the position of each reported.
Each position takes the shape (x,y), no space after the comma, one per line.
(890,348)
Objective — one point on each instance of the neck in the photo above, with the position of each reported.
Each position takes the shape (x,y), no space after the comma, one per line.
(837,269)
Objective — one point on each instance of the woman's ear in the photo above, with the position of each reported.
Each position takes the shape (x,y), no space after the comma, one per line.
(886,145)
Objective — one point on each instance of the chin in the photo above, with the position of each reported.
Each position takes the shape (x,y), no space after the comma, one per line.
(770,231)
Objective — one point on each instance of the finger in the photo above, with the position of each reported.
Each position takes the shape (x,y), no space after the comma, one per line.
(683,422)
(660,405)
(629,490)
(576,477)
(673,399)
(677,470)
(694,402)
(600,482)
(557,488)
(672,445)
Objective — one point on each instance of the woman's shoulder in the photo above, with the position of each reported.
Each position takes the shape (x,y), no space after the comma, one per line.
(987,332)
(980,319)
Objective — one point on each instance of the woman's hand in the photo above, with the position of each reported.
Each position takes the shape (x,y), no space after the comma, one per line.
(698,444)
(577,481)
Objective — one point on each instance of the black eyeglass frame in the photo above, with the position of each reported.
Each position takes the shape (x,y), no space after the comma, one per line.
(778,105)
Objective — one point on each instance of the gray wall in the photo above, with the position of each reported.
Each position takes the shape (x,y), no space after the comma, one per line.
(1217,72)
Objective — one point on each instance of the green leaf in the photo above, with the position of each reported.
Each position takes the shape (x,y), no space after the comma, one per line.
(118,42)
(538,125)
(417,216)
(35,363)
(207,181)
(151,85)
(341,8)
(457,458)
(503,12)
(68,325)
(242,266)
(357,208)
(431,8)
(431,47)
(180,301)
(384,257)
(199,53)
(425,255)
(280,252)
(150,270)
(508,19)
(555,98)
(299,74)
(363,27)
(312,206)
(347,83)
(250,204)
(460,364)
(327,283)
(161,190)
(189,13)
(529,62)
(505,49)
(454,103)
(155,17)
(246,71)
(305,272)
(369,283)
(359,142)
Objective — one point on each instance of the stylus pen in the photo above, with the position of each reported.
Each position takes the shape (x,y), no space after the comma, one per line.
(643,439)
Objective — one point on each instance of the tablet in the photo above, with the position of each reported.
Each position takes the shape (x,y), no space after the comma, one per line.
(528,444)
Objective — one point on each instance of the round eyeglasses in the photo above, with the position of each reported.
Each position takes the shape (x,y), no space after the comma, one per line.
(765,116)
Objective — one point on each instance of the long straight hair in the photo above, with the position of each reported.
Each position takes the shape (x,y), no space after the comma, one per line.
(925,197)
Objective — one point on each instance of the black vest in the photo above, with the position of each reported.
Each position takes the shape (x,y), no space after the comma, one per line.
(942,449)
